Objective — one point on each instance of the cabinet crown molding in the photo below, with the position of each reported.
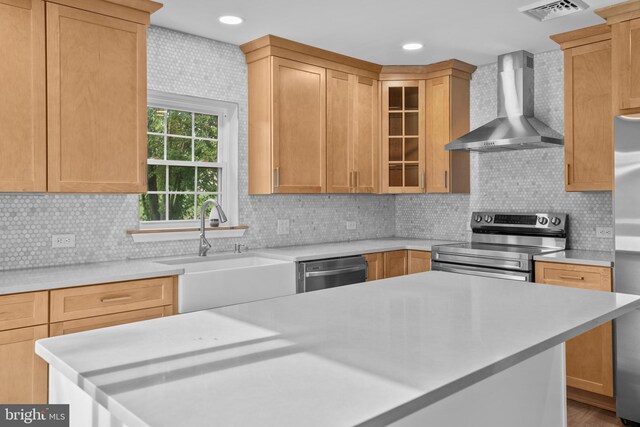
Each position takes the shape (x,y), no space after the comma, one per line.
(620,12)
(582,36)
(138,11)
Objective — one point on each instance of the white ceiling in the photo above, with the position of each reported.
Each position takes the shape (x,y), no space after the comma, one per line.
(475,31)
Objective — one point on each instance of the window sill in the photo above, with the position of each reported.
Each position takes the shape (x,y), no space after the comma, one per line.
(169,234)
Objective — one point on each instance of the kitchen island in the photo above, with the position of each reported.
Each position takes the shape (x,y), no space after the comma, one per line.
(426,349)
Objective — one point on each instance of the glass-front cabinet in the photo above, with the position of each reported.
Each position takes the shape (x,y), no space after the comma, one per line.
(403,136)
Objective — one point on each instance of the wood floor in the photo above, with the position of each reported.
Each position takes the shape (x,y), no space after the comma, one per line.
(581,415)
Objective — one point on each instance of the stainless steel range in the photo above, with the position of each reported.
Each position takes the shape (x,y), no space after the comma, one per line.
(503,245)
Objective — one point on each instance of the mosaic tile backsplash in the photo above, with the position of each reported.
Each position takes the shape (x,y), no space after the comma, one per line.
(518,181)
(190,65)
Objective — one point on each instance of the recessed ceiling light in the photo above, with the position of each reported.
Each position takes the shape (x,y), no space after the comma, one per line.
(230,20)
(412,46)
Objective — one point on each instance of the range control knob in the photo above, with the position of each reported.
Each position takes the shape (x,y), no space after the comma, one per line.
(488,218)
(478,218)
(556,221)
(543,220)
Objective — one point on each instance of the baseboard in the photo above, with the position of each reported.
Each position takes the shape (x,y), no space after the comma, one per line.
(593,399)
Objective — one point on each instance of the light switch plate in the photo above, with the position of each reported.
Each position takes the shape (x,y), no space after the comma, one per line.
(604,232)
(63,241)
(351,225)
(283,226)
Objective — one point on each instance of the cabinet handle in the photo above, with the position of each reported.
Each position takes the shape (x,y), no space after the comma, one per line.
(572,277)
(446,173)
(276,174)
(114,299)
(568,173)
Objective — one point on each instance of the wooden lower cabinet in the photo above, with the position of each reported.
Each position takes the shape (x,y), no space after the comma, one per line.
(419,262)
(375,264)
(590,355)
(23,375)
(80,325)
(395,263)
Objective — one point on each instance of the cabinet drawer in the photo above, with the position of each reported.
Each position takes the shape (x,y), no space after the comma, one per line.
(79,325)
(90,301)
(20,310)
(575,276)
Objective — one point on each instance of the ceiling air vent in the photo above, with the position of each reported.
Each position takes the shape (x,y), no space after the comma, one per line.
(545,10)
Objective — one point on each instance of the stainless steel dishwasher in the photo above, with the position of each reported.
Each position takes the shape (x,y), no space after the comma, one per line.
(330,273)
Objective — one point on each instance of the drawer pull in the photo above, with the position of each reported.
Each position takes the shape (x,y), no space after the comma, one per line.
(114,299)
(572,277)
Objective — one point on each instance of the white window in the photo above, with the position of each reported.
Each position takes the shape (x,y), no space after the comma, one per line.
(192,157)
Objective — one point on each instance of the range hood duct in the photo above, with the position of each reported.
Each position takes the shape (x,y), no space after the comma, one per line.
(515,128)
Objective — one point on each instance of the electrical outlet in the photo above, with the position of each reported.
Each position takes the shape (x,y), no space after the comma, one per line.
(283,226)
(63,241)
(351,225)
(604,232)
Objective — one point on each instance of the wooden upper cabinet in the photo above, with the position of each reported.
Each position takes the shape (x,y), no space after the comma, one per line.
(624,19)
(299,120)
(340,130)
(447,117)
(23,121)
(366,140)
(403,149)
(97,97)
(588,119)
(352,134)
(590,355)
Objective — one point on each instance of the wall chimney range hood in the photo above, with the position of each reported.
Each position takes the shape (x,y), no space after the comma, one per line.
(515,128)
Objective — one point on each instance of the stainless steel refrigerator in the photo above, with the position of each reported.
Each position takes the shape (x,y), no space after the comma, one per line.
(627,263)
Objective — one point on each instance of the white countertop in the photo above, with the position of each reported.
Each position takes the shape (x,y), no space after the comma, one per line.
(595,258)
(37,279)
(340,249)
(368,353)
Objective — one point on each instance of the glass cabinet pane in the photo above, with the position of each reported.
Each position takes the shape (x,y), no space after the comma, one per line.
(411,175)
(411,149)
(395,98)
(410,98)
(395,149)
(411,124)
(395,124)
(395,175)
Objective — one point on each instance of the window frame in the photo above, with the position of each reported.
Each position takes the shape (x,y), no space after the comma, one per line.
(227,163)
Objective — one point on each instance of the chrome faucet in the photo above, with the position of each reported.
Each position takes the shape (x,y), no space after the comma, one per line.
(204,243)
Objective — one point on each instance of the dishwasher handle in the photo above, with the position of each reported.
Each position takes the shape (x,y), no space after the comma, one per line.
(335,271)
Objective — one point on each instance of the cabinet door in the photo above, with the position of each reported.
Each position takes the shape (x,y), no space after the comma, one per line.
(23,121)
(23,375)
(366,143)
(590,355)
(419,262)
(588,124)
(395,263)
(79,325)
(626,39)
(339,132)
(438,130)
(97,97)
(375,266)
(403,154)
(299,120)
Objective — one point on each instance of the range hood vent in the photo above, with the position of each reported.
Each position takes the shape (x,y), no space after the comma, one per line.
(545,10)
(515,128)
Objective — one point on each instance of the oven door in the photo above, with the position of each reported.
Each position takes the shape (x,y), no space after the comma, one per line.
(522,276)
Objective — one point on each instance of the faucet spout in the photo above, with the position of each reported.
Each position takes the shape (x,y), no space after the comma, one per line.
(204,243)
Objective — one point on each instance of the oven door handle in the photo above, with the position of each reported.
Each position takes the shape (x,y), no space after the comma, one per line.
(481,273)
(336,271)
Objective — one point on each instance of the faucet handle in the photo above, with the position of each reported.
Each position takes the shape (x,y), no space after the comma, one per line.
(237,248)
